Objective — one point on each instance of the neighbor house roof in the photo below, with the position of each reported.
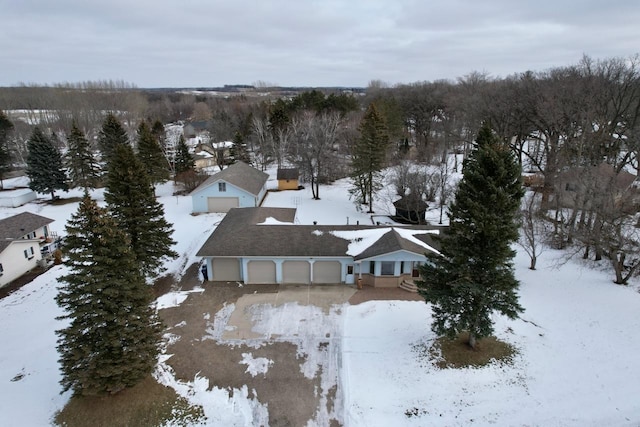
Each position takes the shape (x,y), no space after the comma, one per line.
(271,232)
(16,226)
(287,173)
(240,175)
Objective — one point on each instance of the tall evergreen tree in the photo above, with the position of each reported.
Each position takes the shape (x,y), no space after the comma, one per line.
(184,160)
(368,156)
(44,165)
(113,338)
(6,127)
(111,135)
(473,276)
(131,200)
(150,155)
(238,150)
(82,165)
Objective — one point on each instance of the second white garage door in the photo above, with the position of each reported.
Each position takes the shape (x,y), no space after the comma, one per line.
(327,272)
(261,272)
(296,272)
(222,204)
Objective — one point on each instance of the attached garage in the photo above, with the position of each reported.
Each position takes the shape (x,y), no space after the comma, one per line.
(327,272)
(222,204)
(296,272)
(261,272)
(225,269)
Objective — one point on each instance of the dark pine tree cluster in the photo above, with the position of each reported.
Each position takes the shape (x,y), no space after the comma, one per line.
(45,168)
(112,340)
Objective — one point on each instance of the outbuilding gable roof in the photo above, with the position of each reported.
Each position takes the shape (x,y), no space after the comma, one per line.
(241,175)
(287,173)
(271,232)
(17,226)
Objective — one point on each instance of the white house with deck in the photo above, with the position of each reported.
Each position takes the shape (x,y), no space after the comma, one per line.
(21,239)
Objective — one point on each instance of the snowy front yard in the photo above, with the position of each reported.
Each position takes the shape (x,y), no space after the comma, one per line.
(577,363)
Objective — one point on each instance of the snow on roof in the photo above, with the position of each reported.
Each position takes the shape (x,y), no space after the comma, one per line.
(410,234)
(223,144)
(360,240)
(272,221)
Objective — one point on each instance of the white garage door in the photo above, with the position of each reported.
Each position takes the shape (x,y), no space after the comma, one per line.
(222,204)
(261,272)
(327,272)
(296,272)
(226,269)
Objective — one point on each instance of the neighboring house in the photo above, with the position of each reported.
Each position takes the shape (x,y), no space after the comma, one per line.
(579,187)
(194,129)
(203,160)
(21,238)
(238,186)
(288,178)
(264,245)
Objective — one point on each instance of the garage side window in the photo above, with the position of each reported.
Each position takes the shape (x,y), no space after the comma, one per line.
(222,187)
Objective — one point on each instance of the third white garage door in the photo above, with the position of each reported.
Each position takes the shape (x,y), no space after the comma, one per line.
(296,272)
(222,204)
(327,272)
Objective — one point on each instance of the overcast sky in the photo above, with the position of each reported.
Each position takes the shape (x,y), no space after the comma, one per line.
(191,43)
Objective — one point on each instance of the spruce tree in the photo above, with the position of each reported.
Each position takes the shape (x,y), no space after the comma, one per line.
(6,127)
(82,165)
(238,150)
(131,200)
(368,156)
(113,337)
(44,165)
(184,160)
(111,135)
(150,155)
(473,276)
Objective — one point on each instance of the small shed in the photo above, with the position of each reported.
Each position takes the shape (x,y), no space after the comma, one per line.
(410,210)
(288,178)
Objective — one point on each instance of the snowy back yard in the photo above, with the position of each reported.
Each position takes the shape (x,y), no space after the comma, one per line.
(576,363)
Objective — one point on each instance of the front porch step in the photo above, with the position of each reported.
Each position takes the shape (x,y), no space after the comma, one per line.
(408,286)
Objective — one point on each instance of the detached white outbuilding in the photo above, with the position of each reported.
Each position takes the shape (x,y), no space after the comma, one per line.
(15,198)
(238,186)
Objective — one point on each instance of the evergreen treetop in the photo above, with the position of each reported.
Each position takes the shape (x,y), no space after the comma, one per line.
(131,200)
(151,156)
(184,160)
(6,127)
(45,168)
(111,135)
(82,165)
(474,276)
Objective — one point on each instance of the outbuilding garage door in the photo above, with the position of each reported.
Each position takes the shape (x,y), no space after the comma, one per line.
(296,272)
(222,204)
(261,272)
(226,269)
(327,272)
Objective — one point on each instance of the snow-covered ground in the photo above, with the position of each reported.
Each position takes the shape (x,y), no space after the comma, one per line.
(576,366)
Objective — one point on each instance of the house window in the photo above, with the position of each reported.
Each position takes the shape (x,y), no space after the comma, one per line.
(349,269)
(28,253)
(1,269)
(387,268)
(372,267)
(415,271)
(222,187)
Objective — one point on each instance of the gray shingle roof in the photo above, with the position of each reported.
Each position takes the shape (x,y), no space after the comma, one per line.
(241,234)
(287,173)
(240,175)
(17,226)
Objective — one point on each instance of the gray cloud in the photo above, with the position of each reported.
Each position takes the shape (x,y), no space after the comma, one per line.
(209,43)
